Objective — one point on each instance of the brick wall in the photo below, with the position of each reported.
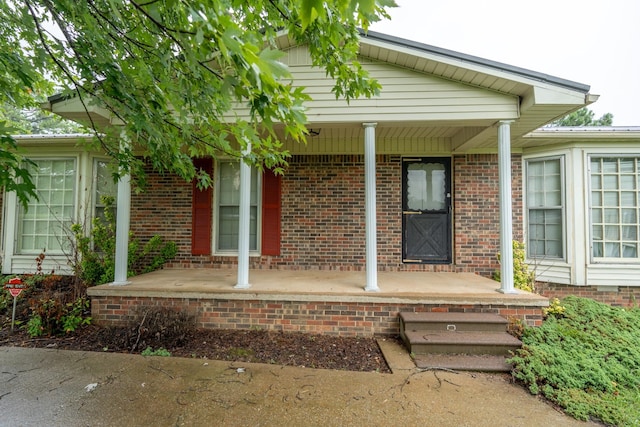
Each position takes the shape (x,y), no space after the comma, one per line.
(330,318)
(323,210)
(477,210)
(620,296)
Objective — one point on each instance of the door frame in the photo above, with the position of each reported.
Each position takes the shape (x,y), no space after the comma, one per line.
(447,162)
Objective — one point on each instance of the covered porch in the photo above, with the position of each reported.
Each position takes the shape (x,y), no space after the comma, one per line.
(315,301)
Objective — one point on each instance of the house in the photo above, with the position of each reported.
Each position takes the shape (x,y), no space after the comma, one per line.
(423,186)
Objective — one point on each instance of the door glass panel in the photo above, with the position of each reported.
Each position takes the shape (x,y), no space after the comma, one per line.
(426,189)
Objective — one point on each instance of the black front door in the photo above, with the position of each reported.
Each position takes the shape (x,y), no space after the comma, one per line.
(426,210)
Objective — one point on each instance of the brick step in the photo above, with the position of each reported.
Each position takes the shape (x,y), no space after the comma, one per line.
(463,362)
(434,321)
(495,343)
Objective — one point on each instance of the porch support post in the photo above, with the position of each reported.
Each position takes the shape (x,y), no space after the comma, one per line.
(123,216)
(370,206)
(244,223)
(506,218)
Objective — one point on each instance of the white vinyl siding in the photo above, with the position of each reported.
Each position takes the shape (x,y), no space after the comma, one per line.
(406,96)
(545,208)
(228,207)
(615,208)
(44,226)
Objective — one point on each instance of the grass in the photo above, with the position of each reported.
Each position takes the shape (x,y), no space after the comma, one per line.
(586,359)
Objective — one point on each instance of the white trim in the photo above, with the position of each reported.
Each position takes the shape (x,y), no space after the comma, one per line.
(563,206)
(215,225)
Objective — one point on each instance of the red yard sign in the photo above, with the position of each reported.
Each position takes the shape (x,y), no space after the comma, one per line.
(15,286)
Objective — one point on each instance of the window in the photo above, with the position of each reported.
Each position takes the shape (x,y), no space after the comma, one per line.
(545,208)
(228,207)
(614,207)
(44,225)
(104,186)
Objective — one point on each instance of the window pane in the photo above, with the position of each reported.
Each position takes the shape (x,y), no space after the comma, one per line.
(630,251)
(610,182)
(611,198)
(426,186)
(627,165)
(628,182)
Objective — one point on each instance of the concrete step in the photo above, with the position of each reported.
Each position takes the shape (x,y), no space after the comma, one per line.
(463,362)
(495,343)
(457,322)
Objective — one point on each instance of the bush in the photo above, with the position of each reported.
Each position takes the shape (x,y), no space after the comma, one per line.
(585,359)
(523,278)
(50,316)
(95,263)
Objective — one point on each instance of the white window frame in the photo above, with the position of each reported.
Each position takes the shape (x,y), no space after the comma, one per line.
(216,214)
(97,203)
(561,158)
(18,249)
(590,209)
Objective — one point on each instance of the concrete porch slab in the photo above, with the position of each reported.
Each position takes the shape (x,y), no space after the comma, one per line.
(320,285)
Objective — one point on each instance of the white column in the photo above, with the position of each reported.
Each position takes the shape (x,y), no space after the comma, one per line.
(506,218)
(244,224)
(123,216)
(370,206)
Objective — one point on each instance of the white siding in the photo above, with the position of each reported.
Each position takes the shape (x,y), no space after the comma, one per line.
(406,96)
(613,275)
(552,272)
(26,264)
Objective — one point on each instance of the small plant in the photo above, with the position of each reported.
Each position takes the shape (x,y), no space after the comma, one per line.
(236,352)
(516,326)
(75,316)
(34,326)
(162,352)
(523,278)
(50,316)
(555,309)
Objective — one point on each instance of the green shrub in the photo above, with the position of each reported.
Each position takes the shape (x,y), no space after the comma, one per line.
(95,263)
(523,278)
(51,316)
(586,360)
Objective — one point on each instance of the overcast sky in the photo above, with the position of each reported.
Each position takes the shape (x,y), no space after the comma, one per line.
(592,42)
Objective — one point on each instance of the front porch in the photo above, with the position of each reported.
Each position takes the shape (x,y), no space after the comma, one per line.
(315,301)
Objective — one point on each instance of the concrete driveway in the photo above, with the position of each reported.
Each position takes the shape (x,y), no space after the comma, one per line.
(40,387)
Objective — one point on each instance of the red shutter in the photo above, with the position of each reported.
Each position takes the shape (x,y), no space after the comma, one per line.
(270,213)
(201,214)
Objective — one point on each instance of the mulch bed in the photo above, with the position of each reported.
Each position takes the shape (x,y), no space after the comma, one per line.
(258,346)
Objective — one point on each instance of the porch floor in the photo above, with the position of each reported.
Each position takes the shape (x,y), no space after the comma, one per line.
(320,285)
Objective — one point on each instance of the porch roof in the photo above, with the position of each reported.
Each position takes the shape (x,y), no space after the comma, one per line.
(530,98)
(320,285)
